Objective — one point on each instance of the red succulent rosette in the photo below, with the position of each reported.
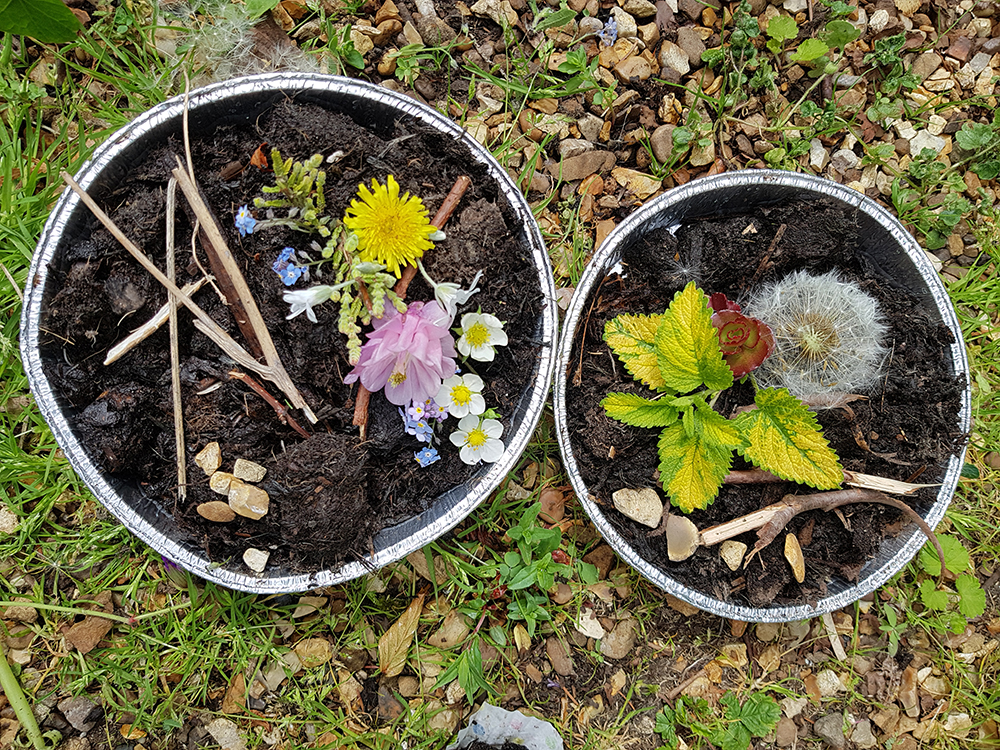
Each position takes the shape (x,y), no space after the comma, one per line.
(745,342)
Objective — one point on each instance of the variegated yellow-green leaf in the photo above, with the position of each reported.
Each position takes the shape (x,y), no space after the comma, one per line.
(687,345)
(638,411)
(784,438)
(631,338)
(693,465)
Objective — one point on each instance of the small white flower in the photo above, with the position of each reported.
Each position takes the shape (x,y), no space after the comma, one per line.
(462,395)
(448,294)
(303,300)
(481,332)
(478,439)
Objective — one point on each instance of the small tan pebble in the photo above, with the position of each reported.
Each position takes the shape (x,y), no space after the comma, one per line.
(217,511)
(256,559)
(209,458)
(248,471)
(642,505)
(732,553)
(247,500)
(220,481)
(8,522)
(793,553)
(682,538)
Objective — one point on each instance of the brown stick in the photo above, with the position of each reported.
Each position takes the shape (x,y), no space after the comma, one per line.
(175,363)
(771,520)
(770,249)
(440,219)
(284,416)
(281,377)
(203,321)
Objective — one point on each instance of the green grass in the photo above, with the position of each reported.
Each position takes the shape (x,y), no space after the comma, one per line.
(176,643)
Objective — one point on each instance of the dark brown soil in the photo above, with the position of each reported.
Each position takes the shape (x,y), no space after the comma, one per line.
(331,493)
(905,429)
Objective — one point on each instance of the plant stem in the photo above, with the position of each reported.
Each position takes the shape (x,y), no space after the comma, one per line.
(18,701)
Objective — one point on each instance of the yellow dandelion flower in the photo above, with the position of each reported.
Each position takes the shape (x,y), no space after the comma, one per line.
(391,230)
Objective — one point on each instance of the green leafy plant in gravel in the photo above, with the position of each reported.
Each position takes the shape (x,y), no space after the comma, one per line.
(731,728)
(925,176)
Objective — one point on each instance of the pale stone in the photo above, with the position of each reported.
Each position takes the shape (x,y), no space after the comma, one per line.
(217,511)
(818,154)
(923,139)
(619,642)
(795,6)
(227,734)
(830,728)
(501,13)
(879,20)
(248,471)
(627,27)
(220,482)
(362,42)
(639,8)
(248,501)
(569,147)
(674,57)
(732,553)
(256,559)
(8,521)
(935,124)
(643,506)
(862,735)
(958,725)
(209,458)
(939,80)
(829,683)
(905,129)
(590,126)
(979,63)
(25,613)
(984,84)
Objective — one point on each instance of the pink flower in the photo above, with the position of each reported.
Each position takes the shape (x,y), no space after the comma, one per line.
(409,354)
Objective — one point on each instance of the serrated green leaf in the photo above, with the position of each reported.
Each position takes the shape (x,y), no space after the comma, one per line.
(783,437)
(632,337)
(43,20)
(687,345)
(973,598)
(760,714)
(809,50)
(637,411)
(956,556)
(693,465)
(932,598)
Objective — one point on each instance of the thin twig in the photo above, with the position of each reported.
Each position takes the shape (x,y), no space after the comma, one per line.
(175,358)
(284,416)
(148,328)
(770,250)
(203,321)
(279,376)
(444,213)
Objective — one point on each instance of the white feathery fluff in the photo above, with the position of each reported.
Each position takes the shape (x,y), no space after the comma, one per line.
(829,336)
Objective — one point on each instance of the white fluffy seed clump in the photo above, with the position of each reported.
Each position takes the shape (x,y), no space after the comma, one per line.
(829,336)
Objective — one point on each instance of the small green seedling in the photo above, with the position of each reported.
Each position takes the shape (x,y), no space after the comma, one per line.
(734,729)
(780,29)
(689,361)
(971,599)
